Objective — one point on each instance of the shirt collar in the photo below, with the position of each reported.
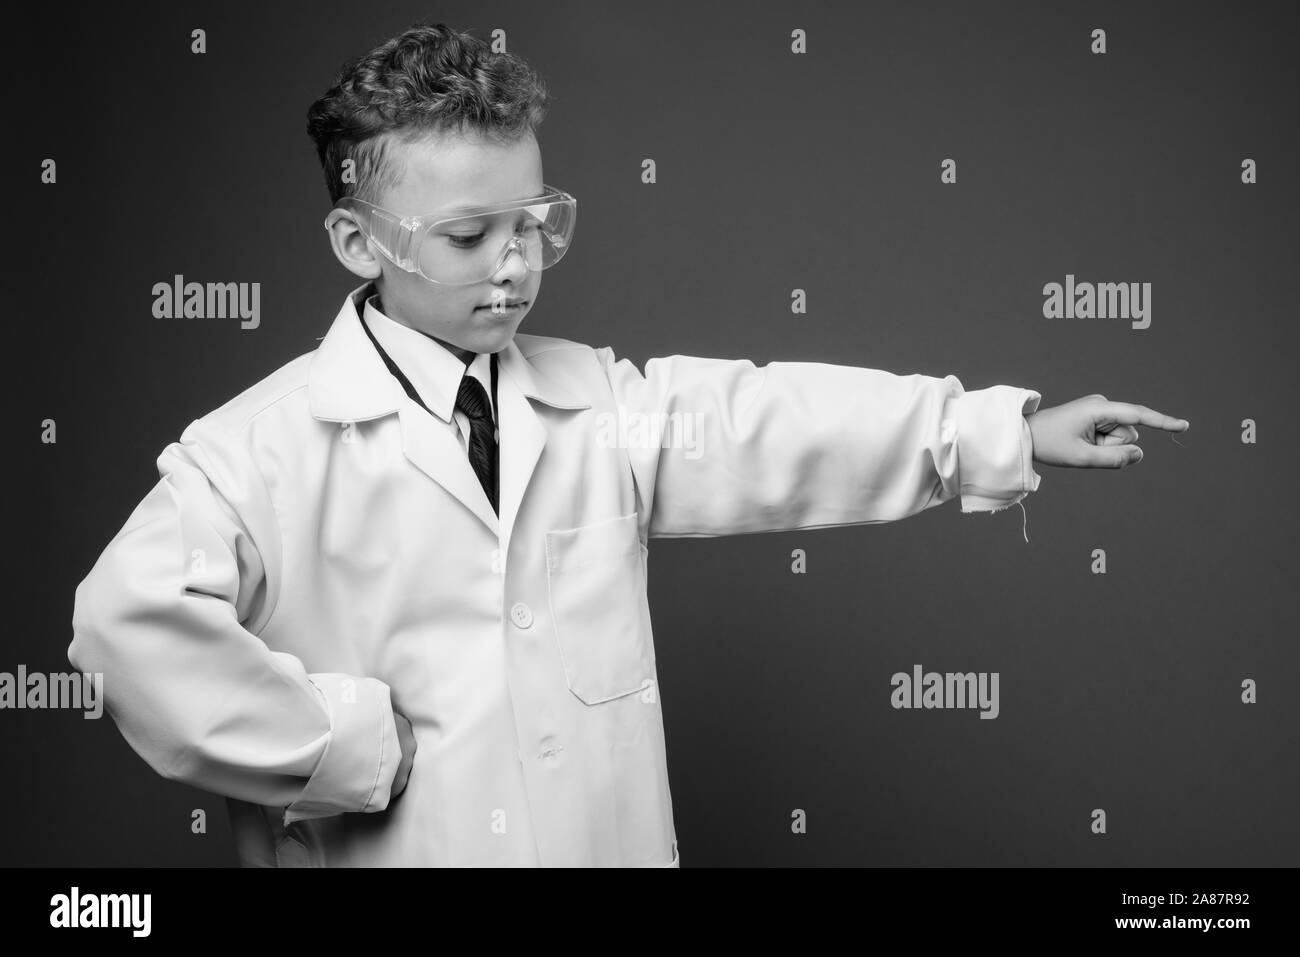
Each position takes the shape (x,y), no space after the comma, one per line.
(347,380)
(434,370)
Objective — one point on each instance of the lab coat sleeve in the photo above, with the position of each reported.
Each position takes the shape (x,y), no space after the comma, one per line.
(165,615)
(721,447)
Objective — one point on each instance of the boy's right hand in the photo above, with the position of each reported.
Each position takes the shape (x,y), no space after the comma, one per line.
(406,737)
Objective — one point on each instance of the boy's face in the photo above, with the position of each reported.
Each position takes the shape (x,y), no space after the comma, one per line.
(443,170)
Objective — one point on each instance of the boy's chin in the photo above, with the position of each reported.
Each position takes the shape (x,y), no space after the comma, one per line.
(491,339)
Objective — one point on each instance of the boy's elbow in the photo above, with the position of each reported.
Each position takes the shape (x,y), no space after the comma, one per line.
(103,596)
(90,614)
(114,603)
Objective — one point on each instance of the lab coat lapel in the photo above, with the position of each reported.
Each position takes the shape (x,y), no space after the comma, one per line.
(523,437)
(523,430)
(436,451)
(348,381)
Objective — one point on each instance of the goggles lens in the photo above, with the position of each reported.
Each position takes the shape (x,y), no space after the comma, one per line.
(474,244)
(471,249)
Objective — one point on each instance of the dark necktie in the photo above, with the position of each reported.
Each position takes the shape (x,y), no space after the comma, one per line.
(473,401)
(475,398)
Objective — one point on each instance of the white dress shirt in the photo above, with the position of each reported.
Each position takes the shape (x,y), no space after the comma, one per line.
(434,371)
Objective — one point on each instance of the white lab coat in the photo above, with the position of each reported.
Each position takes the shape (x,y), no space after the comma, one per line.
(318,551)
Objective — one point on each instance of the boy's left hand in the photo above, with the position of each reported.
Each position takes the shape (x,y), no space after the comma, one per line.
(1093,432)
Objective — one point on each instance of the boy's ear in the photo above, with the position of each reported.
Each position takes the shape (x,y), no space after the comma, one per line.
(351,246)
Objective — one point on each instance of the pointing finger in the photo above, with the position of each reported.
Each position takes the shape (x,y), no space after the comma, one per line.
(1126,413)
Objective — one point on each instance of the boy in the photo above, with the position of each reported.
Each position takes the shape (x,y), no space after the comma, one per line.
(413,562)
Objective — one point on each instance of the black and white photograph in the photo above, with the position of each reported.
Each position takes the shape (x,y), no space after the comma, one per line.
(611,435)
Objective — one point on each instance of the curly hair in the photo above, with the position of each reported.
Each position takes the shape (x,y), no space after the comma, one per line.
(430,78)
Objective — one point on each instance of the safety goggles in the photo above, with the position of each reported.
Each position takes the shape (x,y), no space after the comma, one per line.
(466,245)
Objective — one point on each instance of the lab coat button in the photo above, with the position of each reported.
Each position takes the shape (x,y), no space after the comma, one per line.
(521,615)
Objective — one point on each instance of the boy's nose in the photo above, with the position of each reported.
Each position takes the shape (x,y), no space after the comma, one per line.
(515,265)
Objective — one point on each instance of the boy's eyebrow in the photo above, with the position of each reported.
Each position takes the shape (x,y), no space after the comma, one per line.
(471,207)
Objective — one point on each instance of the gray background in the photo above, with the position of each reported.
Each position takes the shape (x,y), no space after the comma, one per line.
(775,171)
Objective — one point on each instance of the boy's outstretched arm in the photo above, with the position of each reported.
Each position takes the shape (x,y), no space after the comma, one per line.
(163,615)
(807,444)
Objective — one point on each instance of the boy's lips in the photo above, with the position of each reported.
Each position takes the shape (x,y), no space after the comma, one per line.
(504,304)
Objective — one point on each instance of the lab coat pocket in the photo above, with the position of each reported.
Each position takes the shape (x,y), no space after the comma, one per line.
(596,577)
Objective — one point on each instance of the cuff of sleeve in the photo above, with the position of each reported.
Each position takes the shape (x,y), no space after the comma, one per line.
(360,761)
(995,451)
